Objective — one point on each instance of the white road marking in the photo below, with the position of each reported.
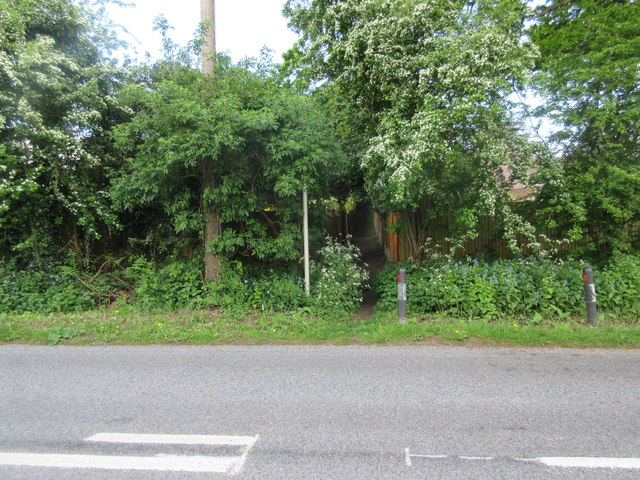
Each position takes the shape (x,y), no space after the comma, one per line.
(407,457)
(167,463)
(591,462)
(563,462)
(237,468)
(173,439)
(434,457)
(177,463)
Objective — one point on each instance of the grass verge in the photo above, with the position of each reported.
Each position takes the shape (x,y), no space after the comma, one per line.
(109,327)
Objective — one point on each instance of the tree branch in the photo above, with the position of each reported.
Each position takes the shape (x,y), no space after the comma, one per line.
(552,8)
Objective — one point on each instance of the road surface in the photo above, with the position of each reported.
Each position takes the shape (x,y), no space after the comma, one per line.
(318,412)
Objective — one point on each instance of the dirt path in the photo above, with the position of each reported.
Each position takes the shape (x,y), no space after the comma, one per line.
(372,254)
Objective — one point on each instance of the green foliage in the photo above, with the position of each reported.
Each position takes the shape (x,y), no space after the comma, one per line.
(177,284)
(618,286)
(337,279)
(57,104)
(173,286)
(525,287)
(426,85)
(261,142)
(59,334)
(214,328)
(262,289)
(337,282)
(589,71)
(33,290)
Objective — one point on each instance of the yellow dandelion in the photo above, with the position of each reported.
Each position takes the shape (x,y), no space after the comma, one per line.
(515,324)
(457,331)
(159,324)
(117,311)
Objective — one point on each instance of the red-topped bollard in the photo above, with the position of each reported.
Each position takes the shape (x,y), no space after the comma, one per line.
(402,296)
(590,296)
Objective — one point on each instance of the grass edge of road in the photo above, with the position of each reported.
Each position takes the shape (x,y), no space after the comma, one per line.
(113,327)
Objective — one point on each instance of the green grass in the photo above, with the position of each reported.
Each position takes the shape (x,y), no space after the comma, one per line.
(113,327)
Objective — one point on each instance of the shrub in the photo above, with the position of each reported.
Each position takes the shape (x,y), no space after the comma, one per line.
(479,289)
(618,286)
(258,288)
(33,290)
(176,285)
(338,280)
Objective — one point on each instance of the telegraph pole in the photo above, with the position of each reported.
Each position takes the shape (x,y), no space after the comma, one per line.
(208,18)
(212,226)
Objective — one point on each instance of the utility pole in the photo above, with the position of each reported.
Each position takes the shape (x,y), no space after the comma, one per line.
(208,18)
(212,226)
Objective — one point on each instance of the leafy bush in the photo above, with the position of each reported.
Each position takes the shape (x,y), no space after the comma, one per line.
(527,287)
(618,286)
(264,289)
(173,286)
(338,280)
(32,290)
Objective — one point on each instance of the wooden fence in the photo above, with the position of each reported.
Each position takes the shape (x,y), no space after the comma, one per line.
(488,241)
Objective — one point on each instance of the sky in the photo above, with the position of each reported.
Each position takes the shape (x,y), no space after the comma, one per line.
(243,27)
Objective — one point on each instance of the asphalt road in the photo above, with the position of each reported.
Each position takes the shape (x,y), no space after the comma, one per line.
(315,412)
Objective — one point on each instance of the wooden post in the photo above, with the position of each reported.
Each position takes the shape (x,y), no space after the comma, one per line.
(305,236)
(590,296)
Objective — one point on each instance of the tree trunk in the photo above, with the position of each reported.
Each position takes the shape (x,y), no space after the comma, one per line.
(212,226)
(415,233)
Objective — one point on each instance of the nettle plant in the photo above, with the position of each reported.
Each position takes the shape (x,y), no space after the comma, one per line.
(338,279)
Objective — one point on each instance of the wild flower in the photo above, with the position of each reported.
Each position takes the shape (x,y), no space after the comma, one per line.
(340,280)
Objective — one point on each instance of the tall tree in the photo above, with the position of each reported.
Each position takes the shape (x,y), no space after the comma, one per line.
(262,141)
(57,106)
(431,79)
(589,72)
